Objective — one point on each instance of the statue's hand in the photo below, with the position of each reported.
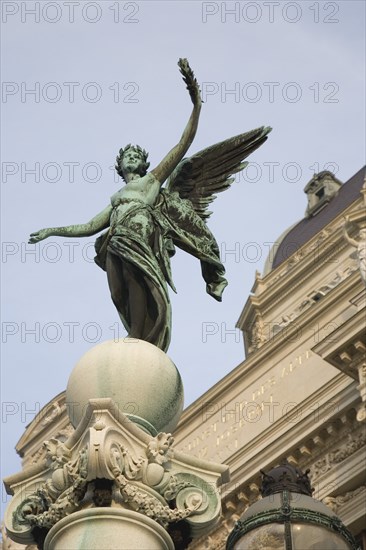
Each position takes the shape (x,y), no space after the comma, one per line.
(191,81)
(39,235)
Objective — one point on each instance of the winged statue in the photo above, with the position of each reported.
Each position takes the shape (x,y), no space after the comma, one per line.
(145,221)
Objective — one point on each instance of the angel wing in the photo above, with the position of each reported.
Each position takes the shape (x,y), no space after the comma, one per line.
(199,177)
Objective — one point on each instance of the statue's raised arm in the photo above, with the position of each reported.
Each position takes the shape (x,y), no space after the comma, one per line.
(175,155)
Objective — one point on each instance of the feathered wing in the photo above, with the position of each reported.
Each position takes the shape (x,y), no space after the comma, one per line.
(199,177)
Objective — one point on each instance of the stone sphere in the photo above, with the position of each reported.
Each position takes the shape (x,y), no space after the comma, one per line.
(140,378)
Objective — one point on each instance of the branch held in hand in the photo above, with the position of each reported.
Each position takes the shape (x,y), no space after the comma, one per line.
(190,80)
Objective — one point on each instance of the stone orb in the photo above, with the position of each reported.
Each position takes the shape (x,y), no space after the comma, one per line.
(141,379)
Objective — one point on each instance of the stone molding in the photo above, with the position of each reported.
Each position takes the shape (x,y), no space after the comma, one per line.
(275,288)
(345,348)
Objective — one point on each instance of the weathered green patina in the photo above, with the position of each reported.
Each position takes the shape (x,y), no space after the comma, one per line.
(144,222)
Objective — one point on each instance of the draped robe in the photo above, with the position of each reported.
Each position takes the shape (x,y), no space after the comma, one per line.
(145,237)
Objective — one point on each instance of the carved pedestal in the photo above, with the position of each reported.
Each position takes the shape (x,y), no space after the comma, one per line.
(113,486)
(111,476)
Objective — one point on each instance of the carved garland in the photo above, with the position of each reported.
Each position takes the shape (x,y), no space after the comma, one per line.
(143,483)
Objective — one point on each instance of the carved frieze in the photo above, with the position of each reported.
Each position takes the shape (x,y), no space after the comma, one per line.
(339,454)
(312,298)
(335,503)
(262,331)
(334,444)
(257,336)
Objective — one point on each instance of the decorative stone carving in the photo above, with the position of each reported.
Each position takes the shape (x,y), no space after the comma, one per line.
(337,502)
(262,331)
(109,461)
(320,190)
(352,443)
(358,220)
(319,454)
(361,412)
(312,298)
(51,420)
(257,336)
(60,495)
(295,259)
(301,254)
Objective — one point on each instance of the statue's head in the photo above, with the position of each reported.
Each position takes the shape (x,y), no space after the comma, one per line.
(362,234)
(132,159)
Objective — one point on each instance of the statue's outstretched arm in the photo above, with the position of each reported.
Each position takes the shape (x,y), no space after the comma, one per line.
(175,155)
(96,224)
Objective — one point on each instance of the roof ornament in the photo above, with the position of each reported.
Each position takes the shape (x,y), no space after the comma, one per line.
(320,190)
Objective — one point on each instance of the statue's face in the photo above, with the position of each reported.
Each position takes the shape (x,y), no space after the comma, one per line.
(133,162)
(363,234)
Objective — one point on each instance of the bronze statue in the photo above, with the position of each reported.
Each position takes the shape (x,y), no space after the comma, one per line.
(145,222)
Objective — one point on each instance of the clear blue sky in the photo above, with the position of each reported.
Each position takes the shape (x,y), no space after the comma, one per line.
(104,74)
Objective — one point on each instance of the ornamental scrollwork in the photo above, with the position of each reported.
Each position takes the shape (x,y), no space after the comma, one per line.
(60,495)
(117,465)
(143,483)
(149,470)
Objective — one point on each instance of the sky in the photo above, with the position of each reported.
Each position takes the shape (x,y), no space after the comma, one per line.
(80,80)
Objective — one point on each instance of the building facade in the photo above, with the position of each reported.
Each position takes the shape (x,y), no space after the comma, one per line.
(300,394)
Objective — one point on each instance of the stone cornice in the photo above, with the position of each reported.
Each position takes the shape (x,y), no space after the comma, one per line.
(297,318)
(268,447)
(350,505)
(298,268)
(345,462)
(327,440)
(345,349)
(266,304)
(328,236)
